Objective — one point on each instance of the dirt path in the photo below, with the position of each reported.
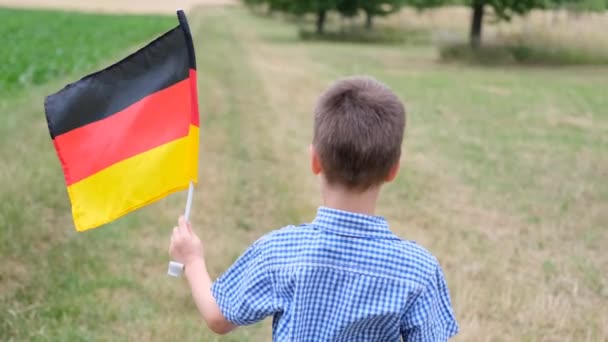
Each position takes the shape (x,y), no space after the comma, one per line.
(116,6)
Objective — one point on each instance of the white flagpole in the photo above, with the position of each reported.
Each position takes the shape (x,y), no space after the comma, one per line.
(189,202)
(176,268)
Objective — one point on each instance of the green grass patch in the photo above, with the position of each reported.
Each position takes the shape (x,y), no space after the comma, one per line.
(39,46)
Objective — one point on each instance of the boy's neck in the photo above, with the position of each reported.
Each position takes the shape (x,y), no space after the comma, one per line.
(341,198)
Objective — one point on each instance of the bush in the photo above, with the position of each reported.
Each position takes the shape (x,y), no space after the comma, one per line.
(522,53)
(380,35)
(486,55)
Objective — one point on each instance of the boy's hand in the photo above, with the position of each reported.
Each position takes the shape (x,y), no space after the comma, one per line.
(185,246)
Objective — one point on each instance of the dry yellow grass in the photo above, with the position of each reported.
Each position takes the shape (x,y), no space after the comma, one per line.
(116,6)
(558,29)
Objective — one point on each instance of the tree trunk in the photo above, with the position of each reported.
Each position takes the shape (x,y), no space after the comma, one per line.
(369,20)
(321,21)
(476,22)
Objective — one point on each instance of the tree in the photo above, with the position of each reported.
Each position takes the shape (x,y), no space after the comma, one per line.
(371,8)
(299,8)
(254,2)
(277,5)
(318,7)
(503,9)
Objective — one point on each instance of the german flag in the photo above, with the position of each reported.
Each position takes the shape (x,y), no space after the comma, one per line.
(128,135)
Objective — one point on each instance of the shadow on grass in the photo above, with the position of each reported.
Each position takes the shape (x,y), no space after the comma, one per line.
(522,53)
(379,35)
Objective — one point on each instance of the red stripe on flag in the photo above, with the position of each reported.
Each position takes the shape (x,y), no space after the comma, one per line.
(194,96)
(156,119)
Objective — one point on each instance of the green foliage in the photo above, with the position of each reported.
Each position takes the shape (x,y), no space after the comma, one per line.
(374,8)
(39,46)
(307,6)
(506,9)
(380,7)
(281,5)
(346,8)
(254,2)
(579,5)
(585,5)
(423,4)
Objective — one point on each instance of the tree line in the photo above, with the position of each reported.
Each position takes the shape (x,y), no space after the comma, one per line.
(502,9)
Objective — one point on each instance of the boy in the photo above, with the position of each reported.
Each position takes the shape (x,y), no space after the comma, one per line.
(345,276)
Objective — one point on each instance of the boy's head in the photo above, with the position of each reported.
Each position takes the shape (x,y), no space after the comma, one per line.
(358,131)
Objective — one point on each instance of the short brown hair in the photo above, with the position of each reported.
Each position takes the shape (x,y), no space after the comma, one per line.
(358,131)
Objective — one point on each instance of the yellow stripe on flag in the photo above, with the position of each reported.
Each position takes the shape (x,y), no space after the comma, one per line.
(135,182)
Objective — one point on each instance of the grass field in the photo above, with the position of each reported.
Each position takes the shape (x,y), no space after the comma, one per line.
(504,180)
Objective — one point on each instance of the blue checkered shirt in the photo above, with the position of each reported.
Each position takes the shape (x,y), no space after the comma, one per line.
(343,277)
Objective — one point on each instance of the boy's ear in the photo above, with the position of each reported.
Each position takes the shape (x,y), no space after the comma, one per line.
(315,163)
(392,174)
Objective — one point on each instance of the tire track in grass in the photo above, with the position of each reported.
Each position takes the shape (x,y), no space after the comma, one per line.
(244,189)
(293,83)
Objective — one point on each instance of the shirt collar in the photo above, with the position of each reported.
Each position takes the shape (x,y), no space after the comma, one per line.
(345,223)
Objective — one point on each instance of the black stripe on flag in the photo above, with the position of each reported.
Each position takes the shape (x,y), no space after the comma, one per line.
(158,65)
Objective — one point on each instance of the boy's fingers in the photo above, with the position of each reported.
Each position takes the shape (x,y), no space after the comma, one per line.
(177,233)
(182,221)
(188,226)
(183,230)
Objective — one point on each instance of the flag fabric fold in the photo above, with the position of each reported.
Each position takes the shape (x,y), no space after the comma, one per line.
(128,135)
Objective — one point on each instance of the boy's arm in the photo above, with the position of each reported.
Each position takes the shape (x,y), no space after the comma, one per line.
(187,248)
(200,283)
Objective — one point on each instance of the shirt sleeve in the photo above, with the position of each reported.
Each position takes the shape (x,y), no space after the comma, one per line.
(244,293)
(430,318)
